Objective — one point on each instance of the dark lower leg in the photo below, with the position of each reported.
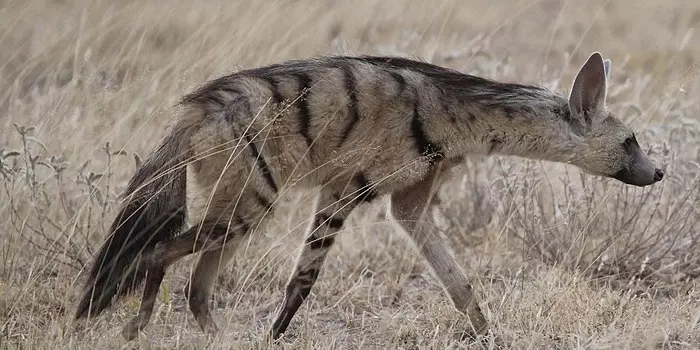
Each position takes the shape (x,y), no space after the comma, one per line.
(198,289)
(298,288)
(154,278)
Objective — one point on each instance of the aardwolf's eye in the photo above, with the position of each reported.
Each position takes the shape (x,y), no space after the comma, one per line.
(629,141)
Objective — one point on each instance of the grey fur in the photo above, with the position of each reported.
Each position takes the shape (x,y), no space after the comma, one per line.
(359,128)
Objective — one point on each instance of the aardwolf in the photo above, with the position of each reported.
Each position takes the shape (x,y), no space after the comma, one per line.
(355,129)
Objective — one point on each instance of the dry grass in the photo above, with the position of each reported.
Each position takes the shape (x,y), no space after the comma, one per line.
(560,259)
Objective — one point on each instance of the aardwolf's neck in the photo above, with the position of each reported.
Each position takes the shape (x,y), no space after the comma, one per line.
(490,117)
(513,119)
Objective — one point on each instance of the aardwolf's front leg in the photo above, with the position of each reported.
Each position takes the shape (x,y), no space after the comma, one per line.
(411,208)
(328,221)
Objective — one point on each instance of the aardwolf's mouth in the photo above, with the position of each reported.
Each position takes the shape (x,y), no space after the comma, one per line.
(631,177)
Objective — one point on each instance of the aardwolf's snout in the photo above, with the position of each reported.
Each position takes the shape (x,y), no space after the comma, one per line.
(658,175)
(640,172)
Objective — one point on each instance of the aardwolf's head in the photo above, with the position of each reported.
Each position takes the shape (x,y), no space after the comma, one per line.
(611,148)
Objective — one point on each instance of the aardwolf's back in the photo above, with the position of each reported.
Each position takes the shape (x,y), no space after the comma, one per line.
(315,119)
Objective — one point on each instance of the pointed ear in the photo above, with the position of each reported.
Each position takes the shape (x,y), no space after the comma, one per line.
(589,89)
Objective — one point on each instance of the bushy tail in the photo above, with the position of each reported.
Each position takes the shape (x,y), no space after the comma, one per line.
(154,209)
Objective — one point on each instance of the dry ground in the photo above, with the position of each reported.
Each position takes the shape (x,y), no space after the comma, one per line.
(560,260)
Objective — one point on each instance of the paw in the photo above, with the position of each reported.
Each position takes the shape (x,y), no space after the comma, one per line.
(207,325)
(274,337)
(132,329)
(211,328)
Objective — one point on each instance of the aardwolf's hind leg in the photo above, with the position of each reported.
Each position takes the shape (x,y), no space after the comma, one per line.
(198,289)
(154,278)
(209,235)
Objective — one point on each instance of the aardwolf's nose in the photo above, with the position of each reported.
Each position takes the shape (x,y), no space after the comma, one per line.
(658,175)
